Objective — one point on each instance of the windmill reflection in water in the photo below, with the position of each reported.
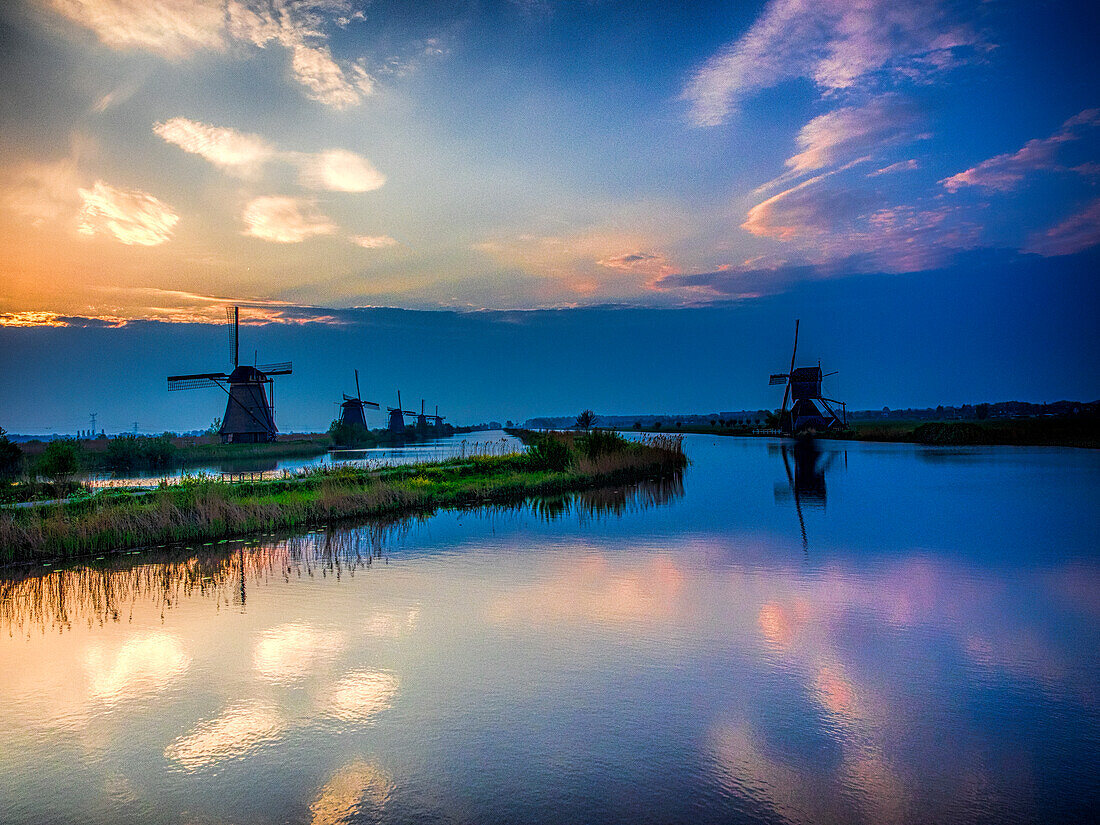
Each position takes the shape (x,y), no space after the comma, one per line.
(805,465)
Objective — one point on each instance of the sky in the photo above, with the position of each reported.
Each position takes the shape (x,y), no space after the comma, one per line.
(520,193)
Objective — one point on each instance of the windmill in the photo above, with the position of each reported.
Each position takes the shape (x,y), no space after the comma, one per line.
(250,409)
(351,411)
(397,416)
(423,418)
(809,409)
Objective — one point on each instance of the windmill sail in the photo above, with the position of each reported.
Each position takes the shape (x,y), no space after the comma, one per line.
(777,379)
(195,382)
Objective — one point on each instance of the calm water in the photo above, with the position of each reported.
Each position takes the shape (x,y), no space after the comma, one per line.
(483,442)
(876,633)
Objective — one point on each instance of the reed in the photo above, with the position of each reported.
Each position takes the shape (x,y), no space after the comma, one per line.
(205,509)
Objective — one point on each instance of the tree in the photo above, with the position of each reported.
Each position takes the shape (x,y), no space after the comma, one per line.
(982,412)
(586,420)
(215,426)
(637,425)
(10,455)
(60,459)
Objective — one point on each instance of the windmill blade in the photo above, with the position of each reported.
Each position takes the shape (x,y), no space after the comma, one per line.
(834,372)
(233,318)
(278,368)
(372,404)
(358,394)
(195,382)
(776,379)
(349,398)
(795,350)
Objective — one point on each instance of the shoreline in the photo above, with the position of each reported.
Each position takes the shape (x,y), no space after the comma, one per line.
(208,510)
(1079,432)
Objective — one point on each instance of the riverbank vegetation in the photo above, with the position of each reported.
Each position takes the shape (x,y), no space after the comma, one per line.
(208,510)
(1038,431)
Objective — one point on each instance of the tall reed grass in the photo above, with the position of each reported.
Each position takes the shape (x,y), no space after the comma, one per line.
(205,509)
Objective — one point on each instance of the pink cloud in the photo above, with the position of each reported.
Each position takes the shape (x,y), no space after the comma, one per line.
(837,44)
(829,223)
(1003,172)
(853,130)
(1075,234)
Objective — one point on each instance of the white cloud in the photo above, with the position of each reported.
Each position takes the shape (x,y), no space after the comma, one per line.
(236,151)
(338,170)
(837,44)
(130,215)
(334,170)
(325,81)
(281,219)
(841,134)
(374,241)
(900,166)
(1004,172)
(171,28)
(177,29)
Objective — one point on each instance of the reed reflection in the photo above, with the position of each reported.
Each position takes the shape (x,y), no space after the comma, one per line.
(609,502)
(222,573)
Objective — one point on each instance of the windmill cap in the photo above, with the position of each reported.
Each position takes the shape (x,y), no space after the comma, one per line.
(246,375)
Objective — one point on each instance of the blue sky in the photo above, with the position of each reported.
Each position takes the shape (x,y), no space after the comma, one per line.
(734,160)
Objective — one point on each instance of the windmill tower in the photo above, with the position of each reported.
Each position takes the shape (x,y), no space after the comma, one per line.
(250,408)
(809,409)
(351,411)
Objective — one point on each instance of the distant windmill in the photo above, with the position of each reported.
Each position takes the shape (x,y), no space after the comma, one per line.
(423,418)
(250,409)
(397,416)
(809,410)
(351,411)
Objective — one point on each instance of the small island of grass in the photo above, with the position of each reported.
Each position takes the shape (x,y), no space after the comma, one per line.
(205,509)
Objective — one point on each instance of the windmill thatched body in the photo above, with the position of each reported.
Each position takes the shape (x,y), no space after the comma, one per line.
(250,408)
(810,410)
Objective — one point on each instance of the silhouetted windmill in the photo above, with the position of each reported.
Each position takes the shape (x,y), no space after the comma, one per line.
(809,409)
(250,409)
(351,411)
(397,416)
(423,418)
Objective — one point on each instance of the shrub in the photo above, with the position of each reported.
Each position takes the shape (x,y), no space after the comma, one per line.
(601,442)
(127,451)
(549,453)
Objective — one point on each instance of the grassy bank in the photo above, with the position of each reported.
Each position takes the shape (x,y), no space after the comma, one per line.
(1039,431)
(206,510)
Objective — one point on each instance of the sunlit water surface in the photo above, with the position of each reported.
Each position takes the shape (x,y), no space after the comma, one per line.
(872,633)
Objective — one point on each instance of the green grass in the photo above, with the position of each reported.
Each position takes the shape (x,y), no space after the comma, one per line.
(207,510)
